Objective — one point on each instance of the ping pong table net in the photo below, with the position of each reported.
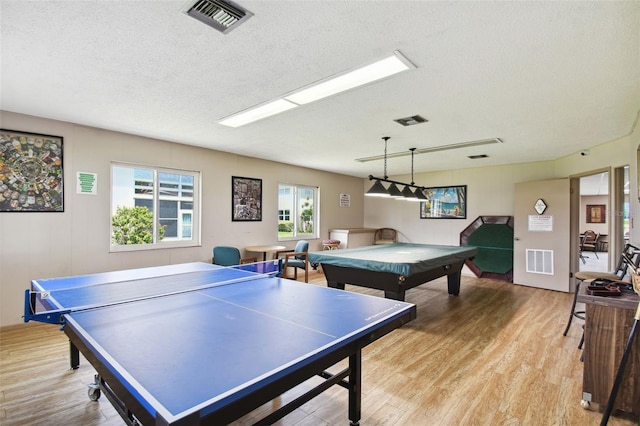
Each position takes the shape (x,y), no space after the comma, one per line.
(50,305)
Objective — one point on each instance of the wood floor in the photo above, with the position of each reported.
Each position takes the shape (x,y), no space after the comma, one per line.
(495,355)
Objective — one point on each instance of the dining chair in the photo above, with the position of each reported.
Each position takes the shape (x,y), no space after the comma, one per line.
(229,256)
(589,242)
(297,259)
(385,236)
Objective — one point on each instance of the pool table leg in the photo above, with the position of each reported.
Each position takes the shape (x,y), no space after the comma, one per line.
(394,296)
(453,282)
(333,284)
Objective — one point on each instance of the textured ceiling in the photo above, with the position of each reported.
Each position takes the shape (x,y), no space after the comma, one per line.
(548,78)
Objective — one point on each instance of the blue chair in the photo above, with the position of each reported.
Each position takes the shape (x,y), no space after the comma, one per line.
(296,259)
(229,256)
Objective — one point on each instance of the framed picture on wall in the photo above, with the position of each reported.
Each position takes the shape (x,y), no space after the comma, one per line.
(246,199)
(31,175)
(444,202)
(596,213)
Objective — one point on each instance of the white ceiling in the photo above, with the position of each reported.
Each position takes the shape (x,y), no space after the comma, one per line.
(596,184)
(549,78)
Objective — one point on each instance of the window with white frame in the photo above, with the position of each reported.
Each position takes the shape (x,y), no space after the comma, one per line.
(153,207)
(298,212)
(284,215)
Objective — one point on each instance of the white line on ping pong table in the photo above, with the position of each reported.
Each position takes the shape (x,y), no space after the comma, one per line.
(297,324)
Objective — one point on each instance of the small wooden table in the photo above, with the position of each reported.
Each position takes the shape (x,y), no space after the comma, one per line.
(608,322)
(264,250)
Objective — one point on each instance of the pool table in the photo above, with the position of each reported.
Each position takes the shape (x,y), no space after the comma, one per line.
(393,268)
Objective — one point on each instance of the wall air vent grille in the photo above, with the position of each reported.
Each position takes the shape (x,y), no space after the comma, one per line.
(224,16)
(540,261)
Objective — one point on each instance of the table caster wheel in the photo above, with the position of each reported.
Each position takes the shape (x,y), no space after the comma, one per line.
(585,404)
(94,389)
(94,394)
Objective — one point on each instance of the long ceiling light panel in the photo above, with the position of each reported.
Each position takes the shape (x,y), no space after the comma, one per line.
(352,79)
(386,67)
(257,113)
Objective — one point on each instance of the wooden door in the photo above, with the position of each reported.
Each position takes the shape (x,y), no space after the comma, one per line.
(541,249)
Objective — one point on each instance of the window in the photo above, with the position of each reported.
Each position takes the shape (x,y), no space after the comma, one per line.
(298,208)
(153,208)
(284,215)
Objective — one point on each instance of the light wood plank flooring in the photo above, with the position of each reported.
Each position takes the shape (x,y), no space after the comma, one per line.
(495,355)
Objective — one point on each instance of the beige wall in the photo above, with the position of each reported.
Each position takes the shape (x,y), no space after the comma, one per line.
(44,245)
(632,152)
(490,191)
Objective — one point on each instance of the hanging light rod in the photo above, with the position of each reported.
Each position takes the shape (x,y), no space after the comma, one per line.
(433,149)
(378,190)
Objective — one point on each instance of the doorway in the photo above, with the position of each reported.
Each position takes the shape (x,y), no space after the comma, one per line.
(594,222)
(589,191)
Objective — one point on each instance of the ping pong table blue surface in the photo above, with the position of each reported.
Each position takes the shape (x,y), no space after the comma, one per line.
(190,353)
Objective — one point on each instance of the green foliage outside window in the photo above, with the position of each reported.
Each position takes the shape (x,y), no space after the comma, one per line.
(285,227)
(134,225)
(306,217)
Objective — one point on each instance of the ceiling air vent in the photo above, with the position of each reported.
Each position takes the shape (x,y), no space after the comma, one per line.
(224,16)
(410,121)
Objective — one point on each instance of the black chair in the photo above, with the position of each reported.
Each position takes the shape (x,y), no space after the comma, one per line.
(297,259)
(630,252)
(229,256)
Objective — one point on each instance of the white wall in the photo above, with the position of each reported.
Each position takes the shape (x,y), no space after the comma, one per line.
(45,245)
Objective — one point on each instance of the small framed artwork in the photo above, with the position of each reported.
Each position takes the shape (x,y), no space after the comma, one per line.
(246,199)
(31,175)
(444,202)
(596,213)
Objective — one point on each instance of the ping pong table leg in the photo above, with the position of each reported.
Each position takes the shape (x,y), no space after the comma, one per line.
(355,387)
(74,356)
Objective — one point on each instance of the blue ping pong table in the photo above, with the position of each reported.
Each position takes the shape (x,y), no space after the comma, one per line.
(196,343)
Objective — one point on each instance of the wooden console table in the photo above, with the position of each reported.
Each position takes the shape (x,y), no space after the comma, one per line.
(606,332)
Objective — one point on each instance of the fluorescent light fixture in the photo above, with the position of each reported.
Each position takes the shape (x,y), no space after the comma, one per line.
(257,113)
(349,80)
(369,73)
